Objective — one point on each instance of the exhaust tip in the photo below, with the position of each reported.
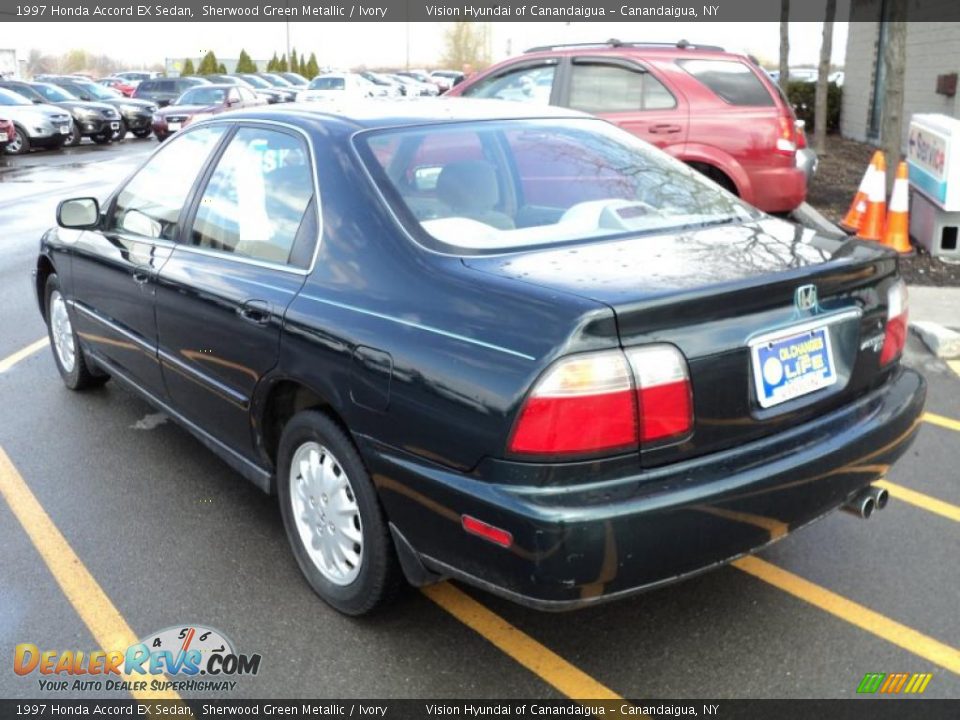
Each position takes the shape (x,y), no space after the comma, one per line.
(881,496)
(867,506)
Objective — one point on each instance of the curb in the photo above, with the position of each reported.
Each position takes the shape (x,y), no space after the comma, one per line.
(943,342)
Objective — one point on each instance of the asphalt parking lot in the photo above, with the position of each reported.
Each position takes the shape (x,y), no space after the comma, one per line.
(126,524)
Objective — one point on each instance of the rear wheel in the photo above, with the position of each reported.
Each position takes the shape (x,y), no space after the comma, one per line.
(67,354)
(333,517)
(20,144)
(718,176)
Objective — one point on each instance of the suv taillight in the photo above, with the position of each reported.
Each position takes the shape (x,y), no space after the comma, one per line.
(895,336)
(787,138)
(606,402)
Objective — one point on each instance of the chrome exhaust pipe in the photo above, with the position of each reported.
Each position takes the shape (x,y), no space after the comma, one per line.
(862,504)
(880,496)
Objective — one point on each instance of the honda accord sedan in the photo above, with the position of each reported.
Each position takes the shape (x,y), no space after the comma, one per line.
(517,347)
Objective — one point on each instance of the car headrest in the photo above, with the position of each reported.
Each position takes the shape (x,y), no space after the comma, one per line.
(468,185)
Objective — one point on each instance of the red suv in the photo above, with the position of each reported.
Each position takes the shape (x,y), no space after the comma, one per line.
(715,110)
(7,133)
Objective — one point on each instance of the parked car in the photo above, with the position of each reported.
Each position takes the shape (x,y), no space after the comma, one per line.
(121,85)
(338,86)
(34,126)
(280,84)
(446,79)
(414,88)
(268,95)
(135,113)
(163,91)
(807,159)
(388,87)
(97,121)
(137,76)
(715,110)
(427,85)
(202,102)
(520,343)
(7,132)
(273,94)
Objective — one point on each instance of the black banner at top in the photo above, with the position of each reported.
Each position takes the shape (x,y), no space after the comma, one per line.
(461,10)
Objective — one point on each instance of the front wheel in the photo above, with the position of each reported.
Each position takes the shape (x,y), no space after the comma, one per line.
(103,138)
(74,138)
(121,132)
(333,517)
(142,133)
(67,354)
(20,144)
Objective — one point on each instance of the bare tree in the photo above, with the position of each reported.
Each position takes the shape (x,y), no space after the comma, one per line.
(784,43)
(821,99)
(894,58)
(466,45)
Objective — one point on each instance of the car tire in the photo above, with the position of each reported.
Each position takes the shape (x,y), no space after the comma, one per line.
(71,363)
(120,133)
(74,138)
(20,144)
(104,138)
(144,133)
(320,472)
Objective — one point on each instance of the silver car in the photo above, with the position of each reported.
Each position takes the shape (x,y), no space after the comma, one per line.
(36,125)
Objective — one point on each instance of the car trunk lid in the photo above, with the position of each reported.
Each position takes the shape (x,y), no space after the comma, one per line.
(715,293)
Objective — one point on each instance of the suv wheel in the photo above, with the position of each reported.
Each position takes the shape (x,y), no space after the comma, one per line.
(121,132)
(333,517)
(103,138)
(67,353)
(74,138)
(20,143)
(142,133)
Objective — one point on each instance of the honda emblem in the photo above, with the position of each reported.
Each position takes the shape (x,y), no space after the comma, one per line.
(805,297)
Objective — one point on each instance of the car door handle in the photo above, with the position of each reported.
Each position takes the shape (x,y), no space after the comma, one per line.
(255,311)
(665,129)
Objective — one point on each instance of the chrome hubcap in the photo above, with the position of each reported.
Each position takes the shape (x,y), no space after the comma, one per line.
(16,143)
(62,332)
(326,513)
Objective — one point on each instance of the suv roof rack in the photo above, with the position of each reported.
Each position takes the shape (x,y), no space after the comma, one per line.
(613,42)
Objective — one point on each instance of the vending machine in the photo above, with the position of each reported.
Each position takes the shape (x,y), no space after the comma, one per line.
(933,156)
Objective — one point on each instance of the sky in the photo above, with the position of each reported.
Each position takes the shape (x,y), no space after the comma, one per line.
(341,44)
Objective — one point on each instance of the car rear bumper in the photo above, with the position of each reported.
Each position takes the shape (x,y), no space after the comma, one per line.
(778,189)
(574,545)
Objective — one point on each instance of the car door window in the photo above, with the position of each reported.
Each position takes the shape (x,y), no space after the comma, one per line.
(530,83)
(150,204)
(257,196)
(606,88)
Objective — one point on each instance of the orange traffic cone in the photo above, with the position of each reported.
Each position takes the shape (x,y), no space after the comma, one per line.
(871,227)
(858,207)
(896,233)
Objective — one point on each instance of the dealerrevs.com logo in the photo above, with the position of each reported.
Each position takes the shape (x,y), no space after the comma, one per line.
(183,652)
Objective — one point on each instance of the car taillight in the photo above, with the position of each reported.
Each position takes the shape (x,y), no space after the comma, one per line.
(801,134)
(664,394)
(787,139)
(606,401)
(583,404)
(895,336)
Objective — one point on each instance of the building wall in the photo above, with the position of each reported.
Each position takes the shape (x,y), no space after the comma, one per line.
(932,49)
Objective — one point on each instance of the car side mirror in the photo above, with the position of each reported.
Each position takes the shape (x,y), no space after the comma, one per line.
(79,213)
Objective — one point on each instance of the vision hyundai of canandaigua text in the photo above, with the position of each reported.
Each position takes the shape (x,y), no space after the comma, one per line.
(470,339)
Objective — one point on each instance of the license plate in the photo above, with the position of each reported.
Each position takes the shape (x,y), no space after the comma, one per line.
(3,137)
(789,365)
(114,126)
(173,126)
(64,130)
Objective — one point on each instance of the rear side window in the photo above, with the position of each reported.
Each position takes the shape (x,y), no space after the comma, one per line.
(731,80)
(256,199)
(603,88)
(528,83)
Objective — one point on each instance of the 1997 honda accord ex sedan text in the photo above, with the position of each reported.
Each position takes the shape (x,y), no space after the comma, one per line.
(459,340)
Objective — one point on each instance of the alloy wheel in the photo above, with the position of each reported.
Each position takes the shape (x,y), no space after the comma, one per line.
(62,332)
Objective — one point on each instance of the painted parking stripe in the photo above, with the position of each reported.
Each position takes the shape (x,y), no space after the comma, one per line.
(954,365)
(11,360)
(863,617)
(920,500)
(941,421)
(91,603)
(537,658)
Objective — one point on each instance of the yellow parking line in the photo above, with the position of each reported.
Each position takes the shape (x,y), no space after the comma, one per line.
(942,421)
(11,360)
(930,504)
(863,617)
(104,621)
(954,365)
(538,659)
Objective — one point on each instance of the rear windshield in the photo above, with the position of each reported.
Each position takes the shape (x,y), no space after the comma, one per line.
(502,185)
(733,81)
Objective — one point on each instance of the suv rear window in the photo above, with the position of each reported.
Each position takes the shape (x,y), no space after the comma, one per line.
(731,80)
